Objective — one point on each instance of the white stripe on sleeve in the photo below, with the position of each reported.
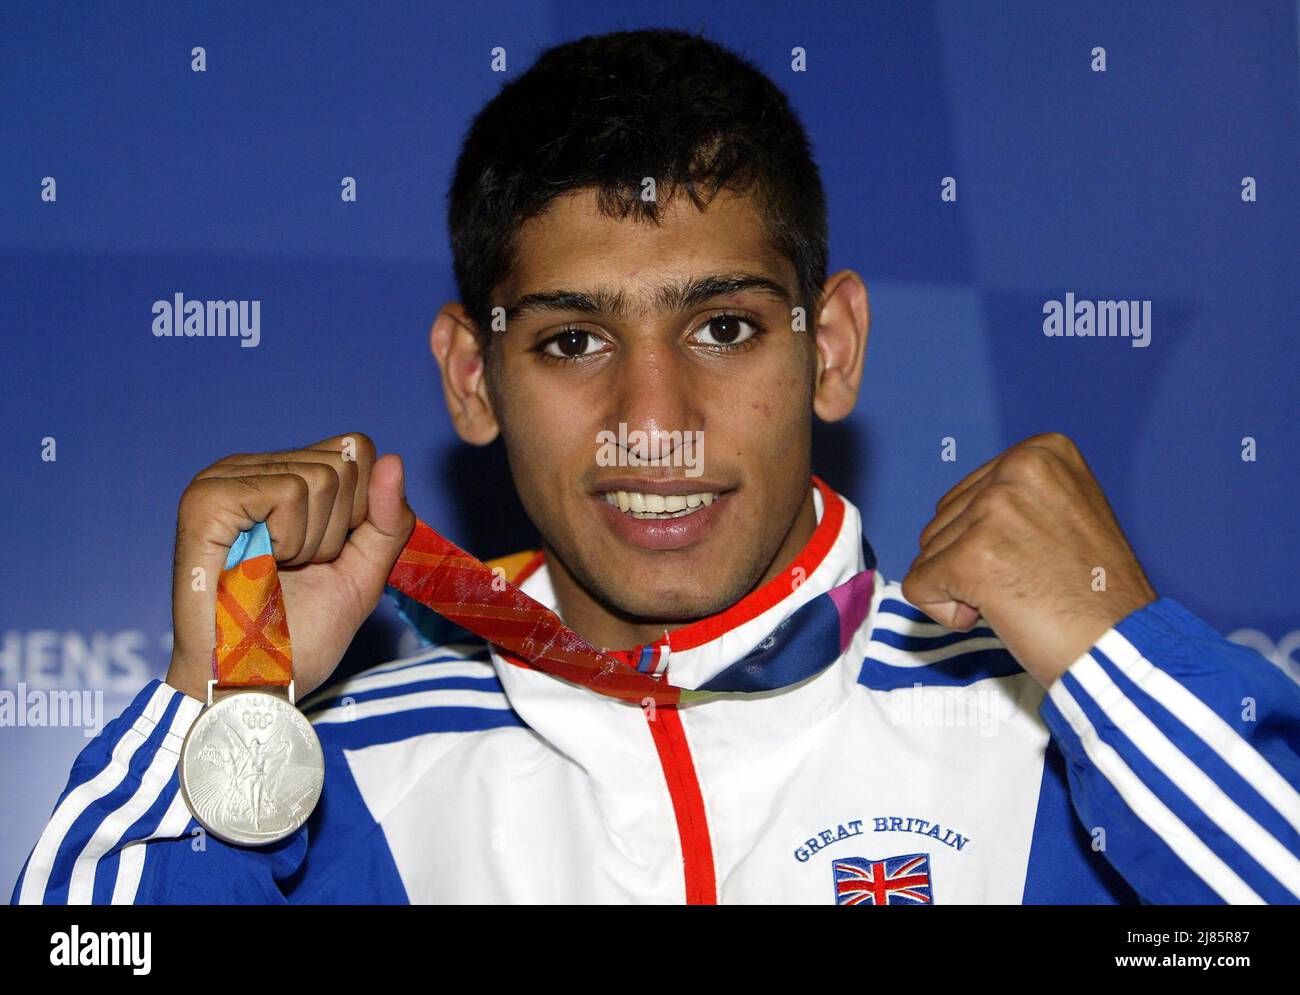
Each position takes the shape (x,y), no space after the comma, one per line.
(131,862)
(41,864)
(1190,849)
(162,765)
(1201,719)
(1190,779)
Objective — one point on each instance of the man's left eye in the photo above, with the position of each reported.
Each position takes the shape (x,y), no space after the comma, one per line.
(727,330)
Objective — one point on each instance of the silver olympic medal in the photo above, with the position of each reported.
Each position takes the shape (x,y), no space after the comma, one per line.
(251,768)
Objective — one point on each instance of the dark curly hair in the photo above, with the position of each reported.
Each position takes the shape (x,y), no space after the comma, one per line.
(603,111)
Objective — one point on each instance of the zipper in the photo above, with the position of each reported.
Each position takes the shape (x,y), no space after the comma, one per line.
(688,803)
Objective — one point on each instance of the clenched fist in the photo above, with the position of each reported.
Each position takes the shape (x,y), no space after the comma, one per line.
(1029,542)
(338,519)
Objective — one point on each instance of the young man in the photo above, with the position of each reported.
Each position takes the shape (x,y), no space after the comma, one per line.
(640,243)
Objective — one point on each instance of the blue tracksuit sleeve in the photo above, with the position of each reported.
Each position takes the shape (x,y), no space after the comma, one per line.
(121,832)
(1183,758)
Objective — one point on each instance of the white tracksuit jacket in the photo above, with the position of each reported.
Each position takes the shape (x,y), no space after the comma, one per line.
(861,755)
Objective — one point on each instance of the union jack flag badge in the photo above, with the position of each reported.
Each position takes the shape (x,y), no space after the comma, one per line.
(903,880)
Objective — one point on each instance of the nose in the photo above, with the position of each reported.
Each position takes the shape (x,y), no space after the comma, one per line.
(654,394)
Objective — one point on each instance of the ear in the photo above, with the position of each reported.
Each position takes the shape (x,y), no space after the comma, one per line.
(841,339)
(456,347)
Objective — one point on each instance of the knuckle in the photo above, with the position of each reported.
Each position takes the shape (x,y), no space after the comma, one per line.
(987,555)
(983,550)
(313,475)
(987,500)
(345,471)
(196,496)
(1058,444)
(910,588)
(1029,462)
(296,491)
(320,477)
(324,483)
(1060,440)
(1070,449)
(365,446)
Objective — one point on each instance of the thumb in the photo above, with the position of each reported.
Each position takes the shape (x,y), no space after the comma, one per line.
(387,510)
(926,587)
(955,615)
(372,548)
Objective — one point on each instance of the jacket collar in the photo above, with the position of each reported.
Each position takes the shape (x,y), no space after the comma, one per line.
(791,651)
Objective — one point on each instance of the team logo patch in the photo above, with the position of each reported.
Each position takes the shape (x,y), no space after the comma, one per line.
(903,880)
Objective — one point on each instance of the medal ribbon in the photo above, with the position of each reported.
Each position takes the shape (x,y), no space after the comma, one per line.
(444,578)
(436,573)
(252,647)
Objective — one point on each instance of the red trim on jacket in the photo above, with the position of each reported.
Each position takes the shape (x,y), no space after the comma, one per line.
(665,723)
(688,804)
(688,637)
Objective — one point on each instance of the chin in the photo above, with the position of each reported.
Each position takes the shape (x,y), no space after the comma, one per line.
(669,604)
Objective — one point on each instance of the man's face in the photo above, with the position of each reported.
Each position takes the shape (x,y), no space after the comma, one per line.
(613,344)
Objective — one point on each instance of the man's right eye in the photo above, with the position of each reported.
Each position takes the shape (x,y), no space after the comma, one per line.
(572,343)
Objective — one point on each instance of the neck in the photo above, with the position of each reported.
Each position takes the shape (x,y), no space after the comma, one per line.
(602,625)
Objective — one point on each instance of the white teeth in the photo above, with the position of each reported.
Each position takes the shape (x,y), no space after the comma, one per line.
(640,505)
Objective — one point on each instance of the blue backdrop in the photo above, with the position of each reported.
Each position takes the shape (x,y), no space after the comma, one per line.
(225,184)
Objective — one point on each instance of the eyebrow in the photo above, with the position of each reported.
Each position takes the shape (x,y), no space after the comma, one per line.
(678,296)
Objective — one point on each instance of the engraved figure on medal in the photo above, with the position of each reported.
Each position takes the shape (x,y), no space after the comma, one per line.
(251,768)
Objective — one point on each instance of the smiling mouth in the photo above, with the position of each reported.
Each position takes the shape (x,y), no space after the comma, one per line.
(636,504)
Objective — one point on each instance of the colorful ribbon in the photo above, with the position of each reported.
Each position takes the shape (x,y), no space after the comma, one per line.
(442,577)
(438,575)
(252,647)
